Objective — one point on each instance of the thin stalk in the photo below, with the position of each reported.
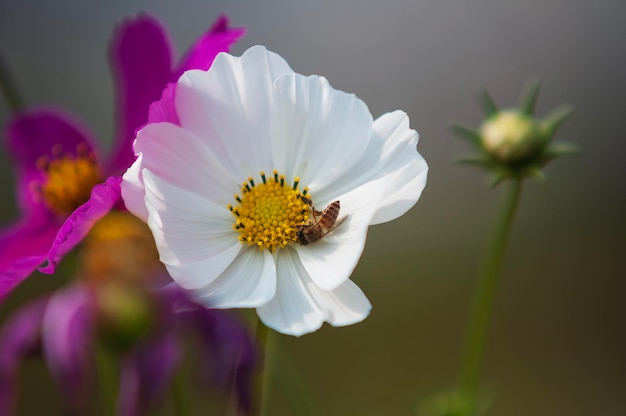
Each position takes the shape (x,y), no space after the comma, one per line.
(107,380)
(181,406)
(291,384)
(8,88)
(478,326)
(261,391)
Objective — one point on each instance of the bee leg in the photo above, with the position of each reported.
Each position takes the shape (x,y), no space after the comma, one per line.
(310,203)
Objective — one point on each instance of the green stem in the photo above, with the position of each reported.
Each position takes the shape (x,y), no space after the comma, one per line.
(480,313)
(291,384)
(181,406)
(107,380)
(264,375)
(281,373)
(8,88)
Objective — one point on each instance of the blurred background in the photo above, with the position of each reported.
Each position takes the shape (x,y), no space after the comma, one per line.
(558,338)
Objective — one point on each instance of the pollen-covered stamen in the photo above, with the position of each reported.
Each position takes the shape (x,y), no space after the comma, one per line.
(68,179)
(269,214)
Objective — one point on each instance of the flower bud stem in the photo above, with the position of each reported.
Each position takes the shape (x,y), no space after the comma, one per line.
(478,325)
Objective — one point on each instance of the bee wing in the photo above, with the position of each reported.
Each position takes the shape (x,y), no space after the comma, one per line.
(337,224)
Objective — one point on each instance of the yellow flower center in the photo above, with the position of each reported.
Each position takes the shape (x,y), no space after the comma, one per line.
(68,179)
(269,214)
(119,247)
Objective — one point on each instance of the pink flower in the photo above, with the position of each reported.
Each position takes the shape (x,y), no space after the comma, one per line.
(64,184)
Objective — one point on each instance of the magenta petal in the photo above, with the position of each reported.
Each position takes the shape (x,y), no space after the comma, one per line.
(41,132)
(164,110)
(66,334)
(23,247)
(230,357)
(128,403)
(146,375)
(141,62)
(20,337)
(103,198)
(217,39)
(28,237)
(16,273)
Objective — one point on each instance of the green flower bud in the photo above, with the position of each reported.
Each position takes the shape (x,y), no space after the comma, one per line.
(514,143)
(125,314)
(511,137)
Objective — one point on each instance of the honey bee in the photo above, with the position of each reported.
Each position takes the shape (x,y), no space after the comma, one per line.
(323,225)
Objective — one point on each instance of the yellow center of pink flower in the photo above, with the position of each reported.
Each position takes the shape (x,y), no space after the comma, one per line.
(269,214)
(119,247)
(68,179)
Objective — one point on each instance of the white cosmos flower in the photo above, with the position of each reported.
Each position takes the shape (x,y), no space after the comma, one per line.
(251,120)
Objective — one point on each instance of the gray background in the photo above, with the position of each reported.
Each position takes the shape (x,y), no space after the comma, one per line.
(558,338)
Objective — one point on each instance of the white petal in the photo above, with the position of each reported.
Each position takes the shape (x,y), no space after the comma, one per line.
(133,191)
(346,305)
(293,309)
(194,236)
(230,106)
(319,132)
(249,281)
(300,307)
(405,168)
(331,260)
(184,160)
(391,164)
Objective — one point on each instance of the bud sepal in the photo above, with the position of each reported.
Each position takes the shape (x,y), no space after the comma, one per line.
(514,143)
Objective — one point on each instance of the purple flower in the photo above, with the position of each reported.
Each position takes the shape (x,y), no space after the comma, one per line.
(66,326)
(64,185)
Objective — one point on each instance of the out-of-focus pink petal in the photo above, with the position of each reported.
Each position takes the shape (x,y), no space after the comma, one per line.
(23,247)
(26,238)
(128,403)
(66,333)
(16,273)
(146,374)
(141,61)
(41,133)
(19,338)
(230,354)
(164,110)
(217,39)
(103,198)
